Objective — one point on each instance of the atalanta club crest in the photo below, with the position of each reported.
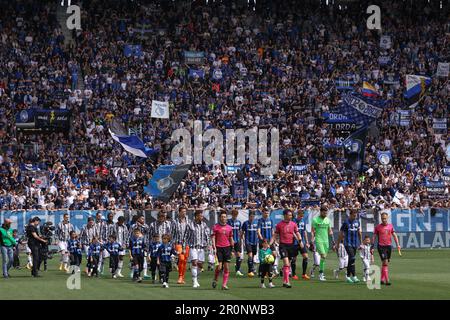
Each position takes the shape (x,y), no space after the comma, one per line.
(165,183)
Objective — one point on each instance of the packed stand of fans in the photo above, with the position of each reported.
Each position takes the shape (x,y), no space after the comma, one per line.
(278,64)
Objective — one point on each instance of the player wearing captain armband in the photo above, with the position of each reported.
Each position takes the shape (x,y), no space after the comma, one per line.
(266,259)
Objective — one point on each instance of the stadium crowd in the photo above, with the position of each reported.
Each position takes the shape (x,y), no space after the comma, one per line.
(278,64)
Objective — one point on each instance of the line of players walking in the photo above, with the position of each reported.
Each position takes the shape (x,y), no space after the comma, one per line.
(158,245)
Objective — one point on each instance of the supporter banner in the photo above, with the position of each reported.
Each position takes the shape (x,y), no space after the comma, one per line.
(443,69)
(360,109)
(160,109)
(342,84)
(52,119)
(132,50)
(391,79)
(446,175)
(435,189)
(440,125)
(404,117)
(300,168)
(385,42)
(196,73)
(232,169)
(166,180)
(384,157)
(384,60)
(354,149)
(194,57)
(240,190)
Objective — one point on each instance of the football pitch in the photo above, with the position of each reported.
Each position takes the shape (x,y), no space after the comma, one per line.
(418,274)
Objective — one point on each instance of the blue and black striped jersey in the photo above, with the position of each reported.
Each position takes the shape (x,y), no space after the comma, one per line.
(266,226)
(137,246)
(165,251)
(94,249)
(154,247)
(113,248)
(236,226)
(351,230)
(250,231)
(74,246)
(301,224)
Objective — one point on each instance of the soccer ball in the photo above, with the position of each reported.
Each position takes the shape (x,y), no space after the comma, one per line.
(269,259)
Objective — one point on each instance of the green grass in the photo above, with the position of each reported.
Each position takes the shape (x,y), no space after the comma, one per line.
(418,274)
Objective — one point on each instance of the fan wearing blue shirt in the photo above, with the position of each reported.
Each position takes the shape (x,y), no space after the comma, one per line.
(249,233)
(236,226)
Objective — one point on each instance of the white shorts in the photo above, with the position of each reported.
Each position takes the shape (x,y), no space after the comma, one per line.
(197,254)
(27,249)
(86,250)
(105,253)
(62,246)
(122,252)
(366,263)
(343,262)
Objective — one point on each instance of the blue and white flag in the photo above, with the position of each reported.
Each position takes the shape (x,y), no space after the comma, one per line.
(133,145)
(416,87)
(196,73)
(160,109)
(132,50)
(384,157)
(360,109)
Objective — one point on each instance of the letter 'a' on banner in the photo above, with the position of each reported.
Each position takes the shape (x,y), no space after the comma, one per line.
(165,181)
(160,109)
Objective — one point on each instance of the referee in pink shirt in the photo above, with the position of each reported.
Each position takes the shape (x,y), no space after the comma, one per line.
(222,242)
(285,232)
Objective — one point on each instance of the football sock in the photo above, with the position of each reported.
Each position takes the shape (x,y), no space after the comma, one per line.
(322,266)
(286,274)
(226,274)
(293,267)
(238,264)
(216,273)
(304,265)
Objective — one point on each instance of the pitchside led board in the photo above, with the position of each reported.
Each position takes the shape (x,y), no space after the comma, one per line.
(415,229)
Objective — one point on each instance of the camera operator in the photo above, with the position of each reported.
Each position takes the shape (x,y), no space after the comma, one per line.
(34,243)
(46,233)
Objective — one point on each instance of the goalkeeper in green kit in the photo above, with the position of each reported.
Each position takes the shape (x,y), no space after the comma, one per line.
(321,234)
(266,259)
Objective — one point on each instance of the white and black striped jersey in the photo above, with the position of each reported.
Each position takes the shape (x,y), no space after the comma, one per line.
(160,228)
(342,253)
(63,230)
(87,234)
(99,227)
(365,251)
(179,231)
(108,230)
(198,235)
(122,234)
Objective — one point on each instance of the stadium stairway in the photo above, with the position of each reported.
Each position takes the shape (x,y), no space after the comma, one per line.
(61,16)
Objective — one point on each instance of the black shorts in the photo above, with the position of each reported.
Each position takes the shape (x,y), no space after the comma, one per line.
(265,269)
(301,250)
(223,254)
(385,252)
(251,248)
(287,251)
(237,247)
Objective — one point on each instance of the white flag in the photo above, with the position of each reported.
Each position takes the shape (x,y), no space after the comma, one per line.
(385,42)
(443,69)
(160,109)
